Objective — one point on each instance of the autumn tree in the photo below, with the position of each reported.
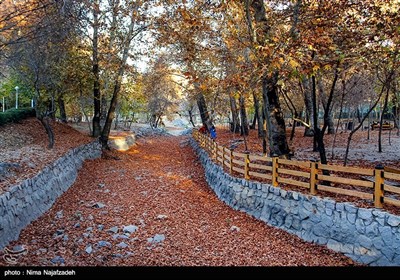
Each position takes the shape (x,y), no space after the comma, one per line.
(37,56)
(185,28)
(161,92)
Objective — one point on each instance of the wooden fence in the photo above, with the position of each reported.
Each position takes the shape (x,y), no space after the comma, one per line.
(380,185)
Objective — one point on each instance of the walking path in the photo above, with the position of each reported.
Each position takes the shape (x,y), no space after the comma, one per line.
(151,206)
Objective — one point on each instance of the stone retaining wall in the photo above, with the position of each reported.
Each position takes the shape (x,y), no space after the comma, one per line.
(29,199)
(368,236)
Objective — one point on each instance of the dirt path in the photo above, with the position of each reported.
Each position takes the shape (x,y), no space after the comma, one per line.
(157,192)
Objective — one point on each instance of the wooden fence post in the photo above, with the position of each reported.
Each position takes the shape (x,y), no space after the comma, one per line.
(215,150)
(313,177)
(231,162)
(275,171)
(246,166)
(222,159)
(378,186)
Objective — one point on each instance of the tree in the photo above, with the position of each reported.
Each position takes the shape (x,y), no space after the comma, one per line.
(260,25)
(161,92)
(35,58)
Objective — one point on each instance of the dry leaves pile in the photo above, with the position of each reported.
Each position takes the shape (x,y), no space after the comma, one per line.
(157,192)
(26,144)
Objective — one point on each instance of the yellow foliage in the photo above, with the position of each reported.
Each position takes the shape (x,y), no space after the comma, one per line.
(203,87)
(293,63)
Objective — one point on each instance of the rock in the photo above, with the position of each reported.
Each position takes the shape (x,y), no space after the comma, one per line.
(86,234)
(156,239)
(58,234)
(393,220)
(162,217)
(130,228)
(138,178)
(120,236)
(57,260)
(77,225)
(103,243)
(101,185)
(144,193)
(100,227)
(42,250)
(98,205)
(59,214)
(122,245)
(89,249)
(78,215)
(89,229)
(65,238)
(7,167)
(18,248)
(235,228)
(90,217)
(113,229)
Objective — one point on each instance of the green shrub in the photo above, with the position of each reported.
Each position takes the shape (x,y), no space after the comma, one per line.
(16,115)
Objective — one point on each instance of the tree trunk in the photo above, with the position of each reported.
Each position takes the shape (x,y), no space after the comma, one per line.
(244,126)
(117,84)
(317,130)
(96,72)
(275,122)
(381,120)
(49,131)
(191,117)
(103,109)
(264,127)
(258,114)
(309,131)
(205,116)
(235,125)
(254,121)
(331,126)
(61,106)
(294,113)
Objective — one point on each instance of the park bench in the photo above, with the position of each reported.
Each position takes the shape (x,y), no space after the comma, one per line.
(385,126)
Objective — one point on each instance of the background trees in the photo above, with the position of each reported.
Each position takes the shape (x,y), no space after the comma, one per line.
(254,64)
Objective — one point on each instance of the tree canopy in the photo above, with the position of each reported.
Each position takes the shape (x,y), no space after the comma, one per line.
(299,60)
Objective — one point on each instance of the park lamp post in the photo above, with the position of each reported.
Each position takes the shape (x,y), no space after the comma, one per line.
(16,97)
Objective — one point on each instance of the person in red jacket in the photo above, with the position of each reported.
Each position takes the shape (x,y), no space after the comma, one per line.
(203,129)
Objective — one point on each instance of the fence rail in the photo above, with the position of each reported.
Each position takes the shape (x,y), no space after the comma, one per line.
(379,185)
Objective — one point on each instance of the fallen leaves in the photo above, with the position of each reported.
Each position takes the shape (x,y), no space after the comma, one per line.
(26,143)
(157,223)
